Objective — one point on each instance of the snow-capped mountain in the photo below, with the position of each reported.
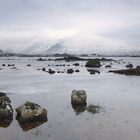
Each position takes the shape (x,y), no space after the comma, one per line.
(43,49)
(35,49)
(57,48)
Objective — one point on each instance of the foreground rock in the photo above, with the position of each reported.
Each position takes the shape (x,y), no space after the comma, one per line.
(133,71)
(6,111)
(30,112)
(78,97)
(93,63)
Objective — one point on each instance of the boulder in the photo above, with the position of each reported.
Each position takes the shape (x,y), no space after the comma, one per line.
(6,111)
(31,112)
(93,63)
(78,97)
(70,71)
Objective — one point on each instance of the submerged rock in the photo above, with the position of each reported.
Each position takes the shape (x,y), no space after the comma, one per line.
(6,111)
(93,63)
(31,112)
(93,108)
(70,71)
(78,97)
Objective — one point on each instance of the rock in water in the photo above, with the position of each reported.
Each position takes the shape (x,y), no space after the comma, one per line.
(108,66)
(43,69)
(70,71)
(31,112)
(129,66)
(6,111)
(78,97)
(93,63)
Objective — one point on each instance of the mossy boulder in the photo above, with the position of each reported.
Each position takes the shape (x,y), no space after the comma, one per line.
(31,112)
(93,63)
(6,111)
(78,97)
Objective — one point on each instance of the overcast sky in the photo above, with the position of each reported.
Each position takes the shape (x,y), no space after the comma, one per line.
(79,23)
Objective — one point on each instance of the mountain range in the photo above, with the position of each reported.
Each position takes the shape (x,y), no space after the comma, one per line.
(61,48)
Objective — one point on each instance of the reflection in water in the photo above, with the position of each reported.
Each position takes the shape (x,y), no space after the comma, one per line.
(92,71)
(26,126)
(79,108)
(5,123)
(83,107)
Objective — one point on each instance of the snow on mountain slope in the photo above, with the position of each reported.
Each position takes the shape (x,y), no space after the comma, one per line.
(35,49)
(57,48)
